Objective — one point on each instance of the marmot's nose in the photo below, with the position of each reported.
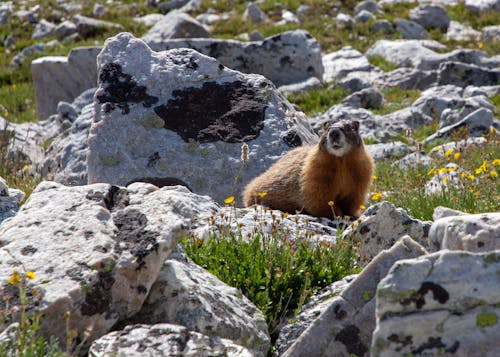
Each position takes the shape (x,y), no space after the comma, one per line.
(334,134)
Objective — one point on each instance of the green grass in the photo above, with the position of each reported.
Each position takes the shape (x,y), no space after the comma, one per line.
(318,100)
(275,273)
(397,98)
(382,63)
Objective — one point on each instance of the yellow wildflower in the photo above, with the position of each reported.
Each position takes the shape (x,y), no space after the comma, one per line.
(374,177)
(30,275)
(26,167)
(480,45)
(362,207)
(229,200)
(331,203)
(471,177)
(14,278)
(456,156)
(493,174)
(496,162)
(377,196)
(463,175)
(448,152)
(445,180)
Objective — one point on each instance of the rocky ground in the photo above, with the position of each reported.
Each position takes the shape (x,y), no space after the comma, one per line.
(136,144)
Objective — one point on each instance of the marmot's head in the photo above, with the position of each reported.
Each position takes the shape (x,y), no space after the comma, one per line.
(341,137)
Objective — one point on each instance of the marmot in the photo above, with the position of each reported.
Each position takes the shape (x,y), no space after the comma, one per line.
(337,169)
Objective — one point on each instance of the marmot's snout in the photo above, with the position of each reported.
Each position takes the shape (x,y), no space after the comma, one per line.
(337,144)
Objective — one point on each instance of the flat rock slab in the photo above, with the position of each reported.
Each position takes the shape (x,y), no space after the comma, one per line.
(181,117)
(163,340)
(446,303)
(96,250)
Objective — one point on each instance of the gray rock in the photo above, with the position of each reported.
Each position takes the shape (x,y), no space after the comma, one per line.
(364,16)
(149,20)
(301,87)
(461,32)
(488,91)
(169,5)
(369,98)
(98,10)
(9,41)
(339,63)
(411,30)
(344,20)
(304,9)
(404,53)
(63,78)
(29,16)
(111,241)
(435,100)
(10,200)
(381,225)
(309,313)
(398,121)
(431,17)
(255,36)
(445,303)
(367,5)
(440,183)
(451,116)
(462,75)
(175,24)
(407,78)
(185,294)
(491,33)
(395,149)
(441,212)
(163,340)
(65,29)
(469,232)
(43,29)
(21,145)
(383,26)
(288,17)
(480,6)
(356,81)
(348,322)
(478,123)
(254,14)
(279,58)
(466,56)
(88,27)
(18,59)
(153,106)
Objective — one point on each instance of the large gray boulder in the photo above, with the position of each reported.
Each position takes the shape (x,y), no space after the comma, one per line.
(59,78)
(96,250)
(340,63)
(285,58)
(411,30)
(175,24)
(404,53)
(381,225)
(346,326)
(473,233)
(88,26)
(480,6)
(186,294)
(461,74)
(182,117)
(443,304)
(163,340)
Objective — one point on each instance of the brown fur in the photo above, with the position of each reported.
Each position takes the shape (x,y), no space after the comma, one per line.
(308,177)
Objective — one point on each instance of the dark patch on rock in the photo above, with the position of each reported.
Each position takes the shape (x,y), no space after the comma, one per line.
(221,67)
(98,297)
(161,181)
(120,90)
(438,293)
(339,313)
(153,159)
(310,70)
(364,230)
(435,342)
(285,61)
(141,289)
(292,139)
(403,342)
(116,197)
(28,250)
(49,270)
(132,231)
(230,112)
(88,234)
(349,337)
(480,244)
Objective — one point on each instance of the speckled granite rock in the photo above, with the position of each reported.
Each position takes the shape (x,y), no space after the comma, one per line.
(442,304)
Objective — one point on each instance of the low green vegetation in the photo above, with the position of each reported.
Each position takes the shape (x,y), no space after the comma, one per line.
(396,98)
(382,63)
(276,273)
(320,99)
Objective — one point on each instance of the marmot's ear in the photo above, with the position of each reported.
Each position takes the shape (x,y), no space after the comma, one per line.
(355,124)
